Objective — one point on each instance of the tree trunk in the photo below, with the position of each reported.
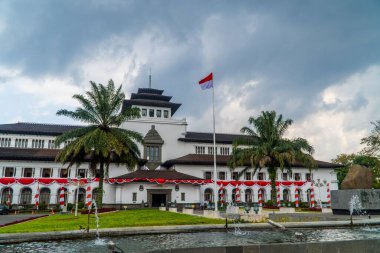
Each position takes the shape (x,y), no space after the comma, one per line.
(272,177)
(99,199)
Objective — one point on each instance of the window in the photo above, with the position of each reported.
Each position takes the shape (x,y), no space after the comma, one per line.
(7,196)
(66,143)
(45,196)
(308,177)
(21,143)
(208,175)
(200,150)
(51,144)
(224,150)
(153,153)
(143,112)
(248,176)
(285,195)
(285,176)
(28,172)
(158,113)
(222,175)
(211,150)
(38,143)
(166,114)
(260,176)
(81,195)
(151,112)
(81,173)
(248,196)
(208,196)
(26,196)
(46,172)
(134,196)
(63,173)
(235,175)
(297,176)
(9,172)
(5,142)
(182,196)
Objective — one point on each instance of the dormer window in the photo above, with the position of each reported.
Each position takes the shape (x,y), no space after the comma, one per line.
(158,113)
(166,114)
(143,112)
(151,113)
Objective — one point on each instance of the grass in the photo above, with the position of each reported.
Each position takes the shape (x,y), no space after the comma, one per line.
(128,218)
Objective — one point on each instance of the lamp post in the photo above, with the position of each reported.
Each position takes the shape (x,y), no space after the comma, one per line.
(77,196)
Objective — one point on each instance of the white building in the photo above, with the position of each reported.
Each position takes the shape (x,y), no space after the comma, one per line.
(177,165)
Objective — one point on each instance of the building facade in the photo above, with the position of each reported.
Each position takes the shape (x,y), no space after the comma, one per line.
(176,165)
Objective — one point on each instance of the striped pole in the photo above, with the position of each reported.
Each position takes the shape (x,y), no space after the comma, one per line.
(312,195)
(62,197)
(328,195)
(297,198)
(37,196)
(237,195)
(88,197)
(278,196)
(260,198)
(221,195)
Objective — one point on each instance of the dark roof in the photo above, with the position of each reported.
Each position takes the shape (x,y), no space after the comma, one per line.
(36,128)
(208,137)
(165,174)
(151,97)
(221,160)
(34,154)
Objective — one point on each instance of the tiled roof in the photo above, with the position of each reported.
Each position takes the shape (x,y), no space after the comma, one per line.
(36,128)
(151,97)
(221,160)
(165,174)
(208,137)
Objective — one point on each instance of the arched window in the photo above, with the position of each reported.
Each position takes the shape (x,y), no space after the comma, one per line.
(7,196)
(208,195)
(26,196)
(95,194)
(65,194)
(81,196)
(300,197)
(248,196)
(45,196)
(285,195)
(308,194)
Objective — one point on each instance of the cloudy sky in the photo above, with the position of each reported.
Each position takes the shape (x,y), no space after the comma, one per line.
(316,62)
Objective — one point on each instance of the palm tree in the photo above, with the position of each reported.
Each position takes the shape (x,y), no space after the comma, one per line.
(265,146)
(101,141)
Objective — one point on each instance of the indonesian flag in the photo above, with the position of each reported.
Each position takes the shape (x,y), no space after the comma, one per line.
(207,82)
(88,197)
(37,196)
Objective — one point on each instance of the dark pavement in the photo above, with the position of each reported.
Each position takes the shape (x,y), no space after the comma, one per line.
(10,218)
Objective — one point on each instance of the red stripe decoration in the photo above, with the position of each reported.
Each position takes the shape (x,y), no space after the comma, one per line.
(62,197)
(328,195)
(297,197)
(88,197)
(312,195)
(260,197)
(237,195)
(221,194)
(278,197)
(37,196)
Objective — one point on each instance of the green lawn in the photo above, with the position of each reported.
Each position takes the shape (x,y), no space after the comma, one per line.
(128,218)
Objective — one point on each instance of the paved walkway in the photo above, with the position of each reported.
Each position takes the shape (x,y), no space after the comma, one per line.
(12,218)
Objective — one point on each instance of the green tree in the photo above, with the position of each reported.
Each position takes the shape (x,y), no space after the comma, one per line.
(266,146)
(372,141)
(101,141)
(346,160)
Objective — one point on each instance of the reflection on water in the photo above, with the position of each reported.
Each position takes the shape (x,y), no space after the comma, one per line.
(145,243)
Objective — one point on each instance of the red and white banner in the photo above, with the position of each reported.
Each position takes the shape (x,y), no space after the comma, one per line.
(260,198)
(278,196)
(237,195)
(62,197)
(221,196)
(312,195)
(88,197)
(297,197)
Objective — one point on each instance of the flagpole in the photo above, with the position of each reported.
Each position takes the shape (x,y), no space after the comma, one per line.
(213,125)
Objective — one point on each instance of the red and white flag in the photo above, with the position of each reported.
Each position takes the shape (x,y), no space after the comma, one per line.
(88,197)
(37,196)
(207,82)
